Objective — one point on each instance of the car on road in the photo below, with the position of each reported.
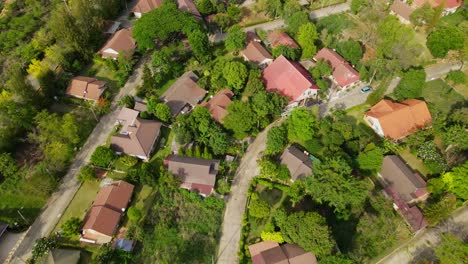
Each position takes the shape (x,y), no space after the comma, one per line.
(366,89)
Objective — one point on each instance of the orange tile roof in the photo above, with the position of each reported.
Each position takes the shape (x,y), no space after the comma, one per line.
(218,104)
(398,120)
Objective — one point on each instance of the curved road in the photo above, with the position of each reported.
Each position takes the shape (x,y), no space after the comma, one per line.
(235,206)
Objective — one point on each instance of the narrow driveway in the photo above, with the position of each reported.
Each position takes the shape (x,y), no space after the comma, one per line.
(232,224)
(421,245)
(58,202)
(438,70)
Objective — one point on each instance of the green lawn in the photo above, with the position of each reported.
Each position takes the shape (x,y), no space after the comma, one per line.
(164,147)
(357,112)
(414,162)
(441,95)
(456,18)
(80,203)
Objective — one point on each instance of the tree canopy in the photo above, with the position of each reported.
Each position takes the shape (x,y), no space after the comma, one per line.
(235,40)
(444,39)
(306,38)
(411,84)
(235,74)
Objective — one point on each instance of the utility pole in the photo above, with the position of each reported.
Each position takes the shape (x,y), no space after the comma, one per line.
(21,215)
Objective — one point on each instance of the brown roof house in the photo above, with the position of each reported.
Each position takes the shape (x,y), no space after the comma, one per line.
(269,252)
(103,218)
(218,104)
(121,42)
(401,10)
(86,88)
(184,94)
(405,188)
(145,6)
(256,53)
(137,137)
(197,174)
(397,120)
(299,164)
(279,38)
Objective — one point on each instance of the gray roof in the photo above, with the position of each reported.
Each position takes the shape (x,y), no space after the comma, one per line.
(398,175)
(62,256)
(298,163)
(194,170)
(185,91)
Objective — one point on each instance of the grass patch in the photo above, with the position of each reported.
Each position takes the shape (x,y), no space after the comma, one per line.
(116,175)
(441,95)
(357,112)
(164,88)
(80,203)
(324,3)
(413,161)
(165,144)
(456,18)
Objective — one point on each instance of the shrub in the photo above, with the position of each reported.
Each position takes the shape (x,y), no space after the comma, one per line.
(71,227)
(456,77)
(134,214)
(103,156)
(87,174)
(259,208)
(222,186)
(272,236)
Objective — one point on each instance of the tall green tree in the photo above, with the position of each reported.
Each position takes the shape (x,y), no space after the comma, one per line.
(443,39)
(306,38)
(308,230)
(301,125)
(296,20)
(350,50)
(277,138)
(371,159)
(235,40)
(200,44)
(235,74)
(240,119)
(411,85)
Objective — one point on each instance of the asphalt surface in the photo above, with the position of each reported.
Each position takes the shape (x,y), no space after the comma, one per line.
(437,70)
(58,202)
(235,205)
(421,246)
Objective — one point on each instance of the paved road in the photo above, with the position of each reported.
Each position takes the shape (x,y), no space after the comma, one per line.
(420,246)
(7,243)
(58,202)
(232,224)
(438,70)
(316,14)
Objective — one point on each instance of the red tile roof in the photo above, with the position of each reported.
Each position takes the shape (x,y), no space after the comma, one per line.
(436,3)
(287,78)
(398,120)
(279,38)
(343,73)
(218,104)
(86,88)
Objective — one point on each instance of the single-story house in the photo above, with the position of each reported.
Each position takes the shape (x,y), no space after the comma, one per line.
(256,53)
(406,188)
(401,10)
(115,196)
(184,94)
(269,252)
(100,225)
(290,80)
(450,6)
(397,120)
(86,88)
(137,137)
(121,42)
(197,174)
(218,104)
(299,164)
(279,38)
(145,6)
(343,73)
(102,220)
